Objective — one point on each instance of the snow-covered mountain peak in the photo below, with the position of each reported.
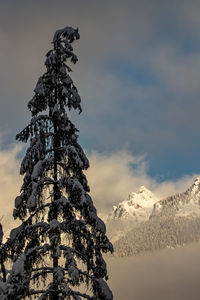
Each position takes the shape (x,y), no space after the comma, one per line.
(143,197)
(138,205)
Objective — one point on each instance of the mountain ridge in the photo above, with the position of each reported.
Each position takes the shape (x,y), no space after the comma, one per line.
(184,203)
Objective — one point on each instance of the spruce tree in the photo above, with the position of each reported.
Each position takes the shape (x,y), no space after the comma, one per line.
(57,251)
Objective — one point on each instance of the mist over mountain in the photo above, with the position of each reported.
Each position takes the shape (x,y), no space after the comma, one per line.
(167,275)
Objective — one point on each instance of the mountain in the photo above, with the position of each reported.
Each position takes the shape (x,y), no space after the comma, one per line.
(143,223)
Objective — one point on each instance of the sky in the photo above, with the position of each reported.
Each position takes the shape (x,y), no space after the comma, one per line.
(137,75)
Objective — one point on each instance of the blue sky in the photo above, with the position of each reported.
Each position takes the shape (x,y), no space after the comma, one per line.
(138,75)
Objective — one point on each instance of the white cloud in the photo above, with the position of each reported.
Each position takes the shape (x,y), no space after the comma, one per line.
(111,178)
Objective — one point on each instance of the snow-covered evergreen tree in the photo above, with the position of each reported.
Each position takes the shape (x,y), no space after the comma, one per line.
(57,250)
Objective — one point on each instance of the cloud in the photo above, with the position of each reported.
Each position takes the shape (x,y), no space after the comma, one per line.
(167,275)
(113,176)
(170,187)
